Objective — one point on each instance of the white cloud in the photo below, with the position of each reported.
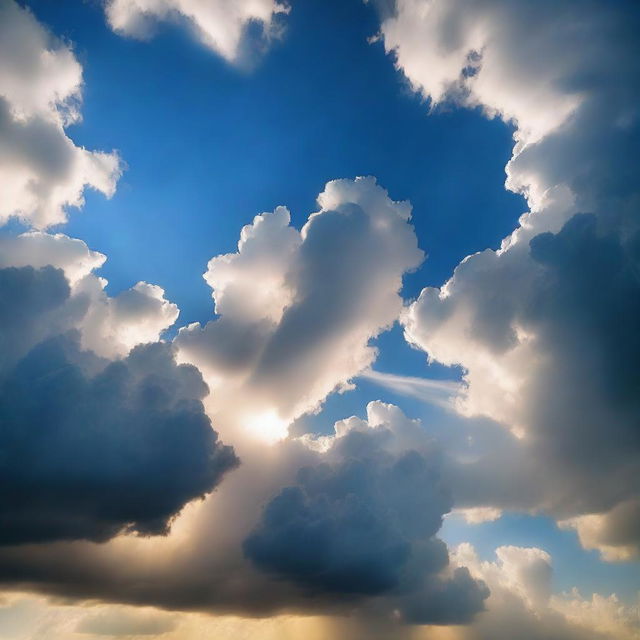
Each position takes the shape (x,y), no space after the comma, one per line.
(437,392)
(220,25)
(544,327)
(114,325)
(109,326)
(299,308)
(522,604)
(38,249)
(42,171)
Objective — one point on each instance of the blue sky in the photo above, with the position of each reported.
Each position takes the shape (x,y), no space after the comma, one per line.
(518,369)
(229,144)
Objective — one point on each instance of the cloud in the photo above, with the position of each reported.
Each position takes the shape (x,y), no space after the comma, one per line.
(312,300)
(109,326)
(42,171)
(362,521)
(543,327)
(91,447)
(220,25)
(437,392)
(298,308)
(614,533)
(40,249)
(93,423)
(120,622)
(522,605)
(357,538)
(134,316)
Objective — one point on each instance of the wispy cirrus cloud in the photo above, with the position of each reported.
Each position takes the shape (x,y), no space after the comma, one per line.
(437,392)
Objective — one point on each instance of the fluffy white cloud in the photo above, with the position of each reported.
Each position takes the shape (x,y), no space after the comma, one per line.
(545,327)
(220,25)
(114,325)
(39,249)
(109,326)
(298,308)
(42,171)
(522,604)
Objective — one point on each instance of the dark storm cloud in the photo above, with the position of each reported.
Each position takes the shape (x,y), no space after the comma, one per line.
(86,454)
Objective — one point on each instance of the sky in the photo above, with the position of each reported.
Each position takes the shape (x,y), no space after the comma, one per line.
(319,319)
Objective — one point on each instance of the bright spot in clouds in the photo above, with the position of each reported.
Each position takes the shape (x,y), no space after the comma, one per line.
(267,426)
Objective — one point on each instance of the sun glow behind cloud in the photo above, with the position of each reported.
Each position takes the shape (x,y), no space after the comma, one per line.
(267,426)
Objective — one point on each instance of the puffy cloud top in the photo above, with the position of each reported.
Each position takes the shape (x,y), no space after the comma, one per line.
(89,447)
(42,171)
(219,24)
(298,308)
(363,521)
(543,327)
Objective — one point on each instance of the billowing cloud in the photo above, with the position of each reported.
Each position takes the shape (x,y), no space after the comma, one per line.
(348,527)
(219,24)
(363,522)
(41,169)
(40,249)
(91,447)
(109,326)
(522,604)
(99,433)
(298,308)
(544,327)
(615,533)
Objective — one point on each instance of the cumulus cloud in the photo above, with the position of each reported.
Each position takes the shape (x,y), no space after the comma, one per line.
(40,249)
(363,521)
(42,171)
(522,604)
(348,528)
(543,327)
(109,326)
(615,533)
(219,24)
(121,442)
(91,447)
(298,308)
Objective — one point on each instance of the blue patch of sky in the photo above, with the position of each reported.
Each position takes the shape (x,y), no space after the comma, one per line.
(208,146)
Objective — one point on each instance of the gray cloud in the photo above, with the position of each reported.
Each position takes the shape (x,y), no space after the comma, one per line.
(363,522)
(91,447)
